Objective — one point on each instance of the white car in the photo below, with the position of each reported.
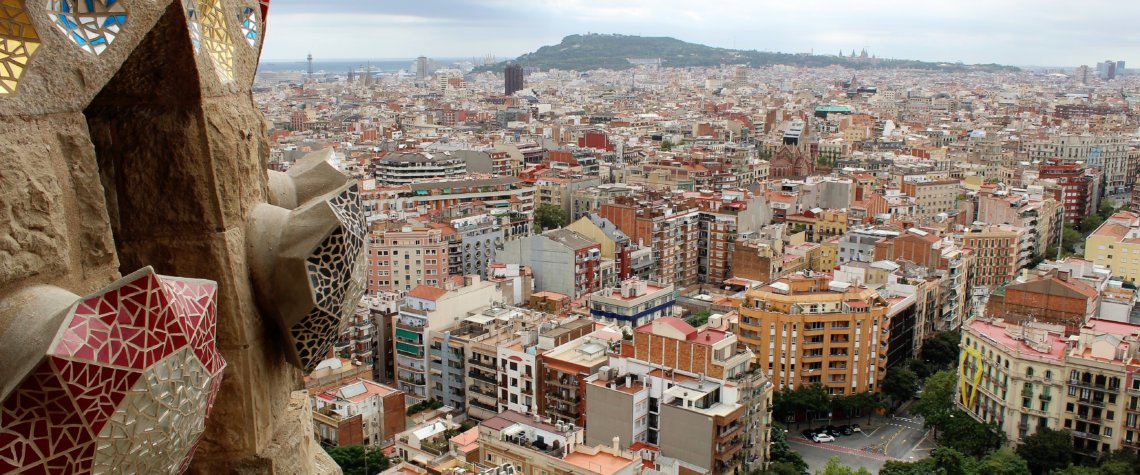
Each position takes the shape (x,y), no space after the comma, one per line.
(822,438)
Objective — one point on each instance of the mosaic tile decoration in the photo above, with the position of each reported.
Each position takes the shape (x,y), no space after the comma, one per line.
(90,24)
(18,42)
(216,38)
(125,386)
(249,24)
(192,23)
(336,271)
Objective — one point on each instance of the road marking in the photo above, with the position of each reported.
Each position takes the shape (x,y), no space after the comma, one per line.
(842,449)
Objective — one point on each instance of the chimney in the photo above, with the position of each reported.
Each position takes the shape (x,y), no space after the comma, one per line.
(1063,275)
(617,444)
(449,423)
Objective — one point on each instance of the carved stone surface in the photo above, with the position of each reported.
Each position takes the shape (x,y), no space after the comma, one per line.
(134,148)
(125,384)
(315,254)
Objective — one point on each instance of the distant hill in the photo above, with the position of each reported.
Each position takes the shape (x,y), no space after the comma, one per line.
(602,51)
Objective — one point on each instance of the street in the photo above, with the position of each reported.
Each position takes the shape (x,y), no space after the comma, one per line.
(897,439)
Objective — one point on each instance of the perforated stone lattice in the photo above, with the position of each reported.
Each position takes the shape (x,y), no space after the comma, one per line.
(336,271)
(18,42)
(125,386)
(90,24)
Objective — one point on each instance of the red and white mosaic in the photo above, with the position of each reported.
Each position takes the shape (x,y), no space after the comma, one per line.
(125,386)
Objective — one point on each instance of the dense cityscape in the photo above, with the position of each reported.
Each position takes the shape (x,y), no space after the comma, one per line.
(617,271)
(868,237)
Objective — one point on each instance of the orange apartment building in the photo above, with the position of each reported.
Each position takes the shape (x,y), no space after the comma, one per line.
(808,329)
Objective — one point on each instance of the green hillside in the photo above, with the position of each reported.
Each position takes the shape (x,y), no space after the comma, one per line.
(599,51)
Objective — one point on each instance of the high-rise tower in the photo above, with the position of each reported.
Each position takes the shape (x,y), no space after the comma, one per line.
(512,78)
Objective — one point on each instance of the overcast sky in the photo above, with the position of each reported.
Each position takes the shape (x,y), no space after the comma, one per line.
(1018,32)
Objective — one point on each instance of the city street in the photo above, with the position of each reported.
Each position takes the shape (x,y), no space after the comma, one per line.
(898,438)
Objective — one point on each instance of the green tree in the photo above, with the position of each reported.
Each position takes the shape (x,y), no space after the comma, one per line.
(1047,450)
(666,145)
(922,467)
(781,453)
(781,468)
(1070,239)
(1077,470)
(1119,462)
(1107,208)
(921,368)
(866,403)
(700,318)
(814,399)
(900,383)
(351,460)
(836,467)
(968,436)
(549,216)
(1090,223)
(1003,462)
(937,397)
(941,351)
(952,462)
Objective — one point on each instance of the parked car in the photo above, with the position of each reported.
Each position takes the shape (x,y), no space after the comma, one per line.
(807,433)
(845,430)
(855,428)
(823,438)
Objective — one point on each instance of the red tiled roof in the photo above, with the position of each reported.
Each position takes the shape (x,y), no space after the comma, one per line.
(427,292)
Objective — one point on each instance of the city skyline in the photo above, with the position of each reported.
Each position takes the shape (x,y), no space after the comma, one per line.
(1015,33)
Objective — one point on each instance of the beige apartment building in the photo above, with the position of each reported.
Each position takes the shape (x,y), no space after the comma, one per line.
(1024,377)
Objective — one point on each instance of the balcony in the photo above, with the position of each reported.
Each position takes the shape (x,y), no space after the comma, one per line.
(482,392)
(484,406)
(1086,435)
(489,364)
(1091,402)
(1045,397)
(479,375)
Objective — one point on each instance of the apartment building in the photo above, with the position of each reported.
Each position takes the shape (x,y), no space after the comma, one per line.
(536,446)
(1109,153)
(407,168)
(1079,187)
(1039,215)
(479,237)
(507,198)
(715,426)
(1001,250)
(402,256)
(808,329)
(562,260)
(671,232)
(1115,245)
(564,370)
(584,201)
(1024,377)
(634,303)
(360,412)
(931,197)
(429,308)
